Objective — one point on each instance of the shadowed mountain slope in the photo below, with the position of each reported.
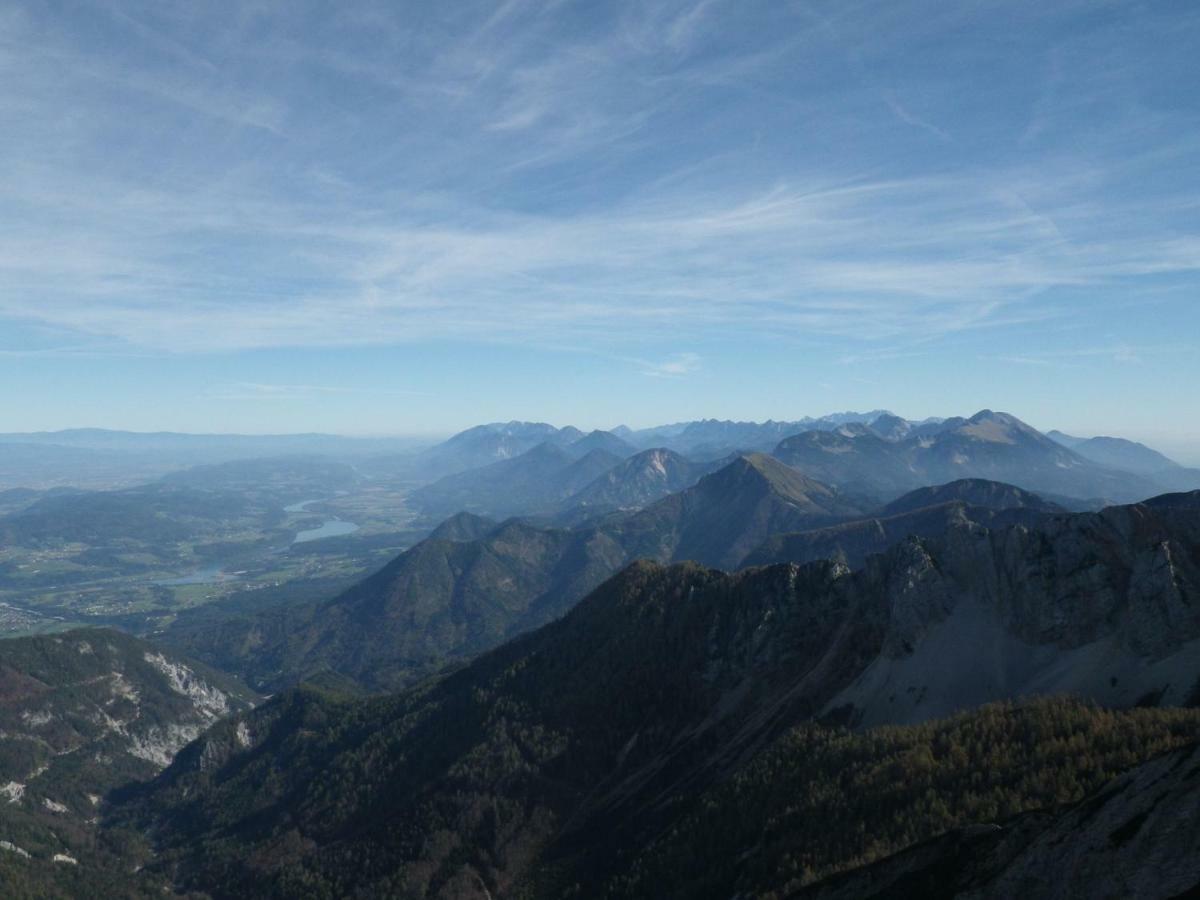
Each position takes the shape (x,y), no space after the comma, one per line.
(979,492)
(852,542)
(639,481)
(547,762)
(1134,837)
(660,680)
(819,800)
(729,512)
(464,526)
(924,513)
(446,599)
(535,481)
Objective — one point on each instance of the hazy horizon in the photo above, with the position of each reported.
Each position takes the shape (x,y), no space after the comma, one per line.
(410,220)
(1184,450)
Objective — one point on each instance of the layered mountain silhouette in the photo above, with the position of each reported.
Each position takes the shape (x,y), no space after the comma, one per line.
(714,438)
(486,444)
(639,481)
(552,476)
(476,583)
(630,664)
(991,445)
(1118,453)
(538,480)
(470,586)
(728,513)
(572,755)
(535,469)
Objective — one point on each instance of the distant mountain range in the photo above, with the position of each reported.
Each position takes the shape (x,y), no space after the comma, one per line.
(990,445)
(1130,456)
(475,583)
(912,453)
(210,447)
(98,458)
(875,456)
(539,480)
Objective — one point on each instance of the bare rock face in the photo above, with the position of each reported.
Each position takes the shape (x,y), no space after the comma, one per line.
(84,711)
(917,596)
(1104,605)
(1130,569)
(1135,838)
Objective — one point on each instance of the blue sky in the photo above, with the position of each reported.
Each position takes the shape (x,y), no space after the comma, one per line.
(409,217)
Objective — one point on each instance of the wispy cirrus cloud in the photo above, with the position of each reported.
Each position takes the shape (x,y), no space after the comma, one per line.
(255,391)
(181,181)
(1119,352)
(910,259)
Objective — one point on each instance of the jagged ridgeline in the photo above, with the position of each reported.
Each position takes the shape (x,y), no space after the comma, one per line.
(449,598)
(566,759)
(586,708)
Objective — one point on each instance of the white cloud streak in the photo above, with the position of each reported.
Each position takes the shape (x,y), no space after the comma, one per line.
(677,366)
(259,392)
(501,185)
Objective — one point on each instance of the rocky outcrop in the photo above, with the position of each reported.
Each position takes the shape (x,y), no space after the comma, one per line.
(638,482)
(84,711)
(1105,605)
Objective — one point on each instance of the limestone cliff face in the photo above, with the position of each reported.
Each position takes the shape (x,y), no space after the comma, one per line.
(1106,605)
(84,711)
(1130,571)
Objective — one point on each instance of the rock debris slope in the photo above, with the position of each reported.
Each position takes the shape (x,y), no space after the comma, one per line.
(1134,839)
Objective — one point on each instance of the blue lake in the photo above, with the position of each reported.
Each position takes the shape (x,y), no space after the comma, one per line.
(334,527)
(331,528)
